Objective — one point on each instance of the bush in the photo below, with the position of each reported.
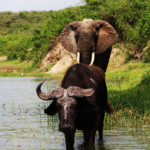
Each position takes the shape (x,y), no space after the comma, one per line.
(2,46)
(37,38)
(23,15)
(18,49)
(146,55)
(129,56)
(11,55)
(39,30)
(95,2)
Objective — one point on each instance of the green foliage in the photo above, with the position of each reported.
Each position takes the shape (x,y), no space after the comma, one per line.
(144,28)
(2,47)
(38,31)
(17,49)
(129,56)
(146,56)
(95,2)
(23,15)
(37,38)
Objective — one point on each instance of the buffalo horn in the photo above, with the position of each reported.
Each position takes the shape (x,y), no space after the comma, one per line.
(78,57)
(74,91)
(55,94)
(92,60)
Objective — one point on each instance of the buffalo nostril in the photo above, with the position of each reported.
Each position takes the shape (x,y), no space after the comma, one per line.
(65,127)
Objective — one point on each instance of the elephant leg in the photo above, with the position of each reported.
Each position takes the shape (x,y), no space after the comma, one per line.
(101,60)
(69,139)
(100,126)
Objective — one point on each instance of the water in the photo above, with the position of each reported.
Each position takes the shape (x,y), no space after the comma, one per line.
(24,126)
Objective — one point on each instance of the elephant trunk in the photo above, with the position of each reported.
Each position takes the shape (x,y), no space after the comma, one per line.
(85,53)
(86,59)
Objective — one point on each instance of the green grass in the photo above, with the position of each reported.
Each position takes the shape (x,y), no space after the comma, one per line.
(14,68)
(130,70)
(133,93)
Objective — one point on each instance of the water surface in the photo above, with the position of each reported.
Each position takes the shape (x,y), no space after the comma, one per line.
(23,124)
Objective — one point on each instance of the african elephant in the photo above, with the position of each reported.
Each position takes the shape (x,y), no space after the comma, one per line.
(91,40)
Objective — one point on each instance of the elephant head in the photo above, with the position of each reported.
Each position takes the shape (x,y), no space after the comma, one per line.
(91,40)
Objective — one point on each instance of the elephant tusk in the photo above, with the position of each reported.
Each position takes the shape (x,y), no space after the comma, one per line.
(92,60)
(78,57)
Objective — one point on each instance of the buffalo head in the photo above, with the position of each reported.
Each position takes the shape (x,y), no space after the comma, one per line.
(65,102)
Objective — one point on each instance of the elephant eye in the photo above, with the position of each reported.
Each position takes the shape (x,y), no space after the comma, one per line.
(97,28)
(73,28)
(97,32)
(76,33)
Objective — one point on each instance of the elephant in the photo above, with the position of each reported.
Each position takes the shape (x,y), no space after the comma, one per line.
(91,40)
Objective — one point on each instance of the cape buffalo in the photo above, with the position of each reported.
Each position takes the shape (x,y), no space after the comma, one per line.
(81,102)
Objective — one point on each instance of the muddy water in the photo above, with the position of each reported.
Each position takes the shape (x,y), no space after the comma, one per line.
(24,126)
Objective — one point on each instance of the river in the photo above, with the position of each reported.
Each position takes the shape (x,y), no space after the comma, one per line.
(24,126)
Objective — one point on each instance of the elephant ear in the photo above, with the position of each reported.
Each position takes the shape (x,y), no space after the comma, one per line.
(107,36)
(67,37)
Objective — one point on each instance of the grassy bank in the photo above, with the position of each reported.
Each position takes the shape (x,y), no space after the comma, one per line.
(15,68)
(128,89)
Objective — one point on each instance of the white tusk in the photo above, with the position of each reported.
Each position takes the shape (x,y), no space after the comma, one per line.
(78,57)
(92,60)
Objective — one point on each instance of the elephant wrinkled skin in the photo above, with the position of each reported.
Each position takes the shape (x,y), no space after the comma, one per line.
(88,36)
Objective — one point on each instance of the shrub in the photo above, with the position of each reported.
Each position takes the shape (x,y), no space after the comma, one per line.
(2,46)
(146,55)
(39,30)
(23,15)
(37,38)
(95,2)
(18,49)
(129,56)
(11,55)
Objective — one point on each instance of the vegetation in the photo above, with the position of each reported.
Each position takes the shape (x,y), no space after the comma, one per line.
(30,35)
(131,94)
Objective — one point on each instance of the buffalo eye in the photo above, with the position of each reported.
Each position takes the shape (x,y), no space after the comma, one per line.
(73,106)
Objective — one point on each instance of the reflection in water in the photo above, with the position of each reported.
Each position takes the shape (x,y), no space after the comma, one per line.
(23,124)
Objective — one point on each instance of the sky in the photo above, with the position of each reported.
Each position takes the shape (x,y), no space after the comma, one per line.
(37,5)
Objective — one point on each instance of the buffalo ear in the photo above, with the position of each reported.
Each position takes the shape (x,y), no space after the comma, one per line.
(67,37)
(107,36)
(51,109)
